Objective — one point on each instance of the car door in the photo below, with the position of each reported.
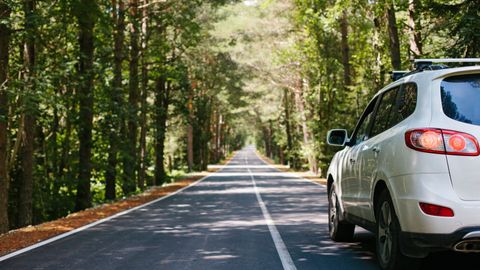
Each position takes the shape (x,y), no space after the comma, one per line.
(394,106)
(350,183)
(370,149)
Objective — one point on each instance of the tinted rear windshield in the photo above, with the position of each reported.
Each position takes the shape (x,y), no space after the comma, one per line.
(461,98)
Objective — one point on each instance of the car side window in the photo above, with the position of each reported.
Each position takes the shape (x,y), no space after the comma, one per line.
(362,130)
(384,111)
(395,105)
(406,102)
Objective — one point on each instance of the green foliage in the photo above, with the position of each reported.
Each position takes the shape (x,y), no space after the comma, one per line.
(457,22)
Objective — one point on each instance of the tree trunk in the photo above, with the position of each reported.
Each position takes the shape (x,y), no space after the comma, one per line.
(144,95)
(270,137)
(114,119)
(55,155)
(415,38)
(86,17)
(307,141)
(4,52)
(64,157)
(219,137)
(25,207)
(161,109)
(111,170)
(206,133)
(267,140)
(217,119)
(281,155)
(288,128)
(377,46)
(393,35)
(347,76)
(191,117)
(133,98)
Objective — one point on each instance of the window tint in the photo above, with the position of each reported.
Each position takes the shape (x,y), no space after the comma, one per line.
(395,105)
(361,132)
(406,103)
(460,96)
(384,112)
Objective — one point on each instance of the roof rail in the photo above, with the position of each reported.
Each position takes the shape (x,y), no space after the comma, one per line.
(428,64)
(448,60)
(431,64)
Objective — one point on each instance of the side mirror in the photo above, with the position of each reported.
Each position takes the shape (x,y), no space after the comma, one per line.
(337,137)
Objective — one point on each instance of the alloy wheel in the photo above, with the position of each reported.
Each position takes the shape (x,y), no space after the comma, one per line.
(385,239)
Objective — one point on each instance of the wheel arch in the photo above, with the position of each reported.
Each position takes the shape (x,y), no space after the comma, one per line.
(380,186)
(329,182)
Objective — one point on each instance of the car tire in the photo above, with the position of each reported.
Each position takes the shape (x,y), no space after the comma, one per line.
(388,251)
(340,230)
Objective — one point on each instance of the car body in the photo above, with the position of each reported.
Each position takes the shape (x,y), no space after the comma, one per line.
(415,148)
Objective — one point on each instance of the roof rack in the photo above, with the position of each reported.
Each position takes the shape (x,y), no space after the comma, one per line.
(448,60)
(431,64)
(428,64)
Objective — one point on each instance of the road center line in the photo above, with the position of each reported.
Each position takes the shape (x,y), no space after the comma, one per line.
(282,250)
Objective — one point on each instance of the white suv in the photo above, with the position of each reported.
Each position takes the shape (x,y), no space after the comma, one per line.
(410,172)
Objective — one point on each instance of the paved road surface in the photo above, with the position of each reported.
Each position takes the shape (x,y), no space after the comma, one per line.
(247,216)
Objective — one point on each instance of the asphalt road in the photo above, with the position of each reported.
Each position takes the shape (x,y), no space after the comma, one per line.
(247,216)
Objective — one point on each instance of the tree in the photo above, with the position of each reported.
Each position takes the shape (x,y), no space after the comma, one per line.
(115,120)
(86,13)
(460,19)
(415,38)
(190,121)
(393,34)
(130,166)
(345,49)
(162,103)
(4,59)
(144,95)
(29,118)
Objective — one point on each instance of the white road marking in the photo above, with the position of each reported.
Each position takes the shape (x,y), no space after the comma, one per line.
(61,236)
(282,250)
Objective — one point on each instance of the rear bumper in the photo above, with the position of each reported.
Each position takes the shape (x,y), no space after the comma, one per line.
(409,190)
(419,245)
(422,233)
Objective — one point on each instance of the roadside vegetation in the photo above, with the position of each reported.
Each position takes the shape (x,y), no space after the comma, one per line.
(101,98)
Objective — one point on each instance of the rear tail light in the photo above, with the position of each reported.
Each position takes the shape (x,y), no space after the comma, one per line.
(436,210)
(440,141)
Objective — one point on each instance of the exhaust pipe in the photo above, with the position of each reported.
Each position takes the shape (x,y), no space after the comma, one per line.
(468,246)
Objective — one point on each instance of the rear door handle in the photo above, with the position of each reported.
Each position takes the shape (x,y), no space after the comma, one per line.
(376,149)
